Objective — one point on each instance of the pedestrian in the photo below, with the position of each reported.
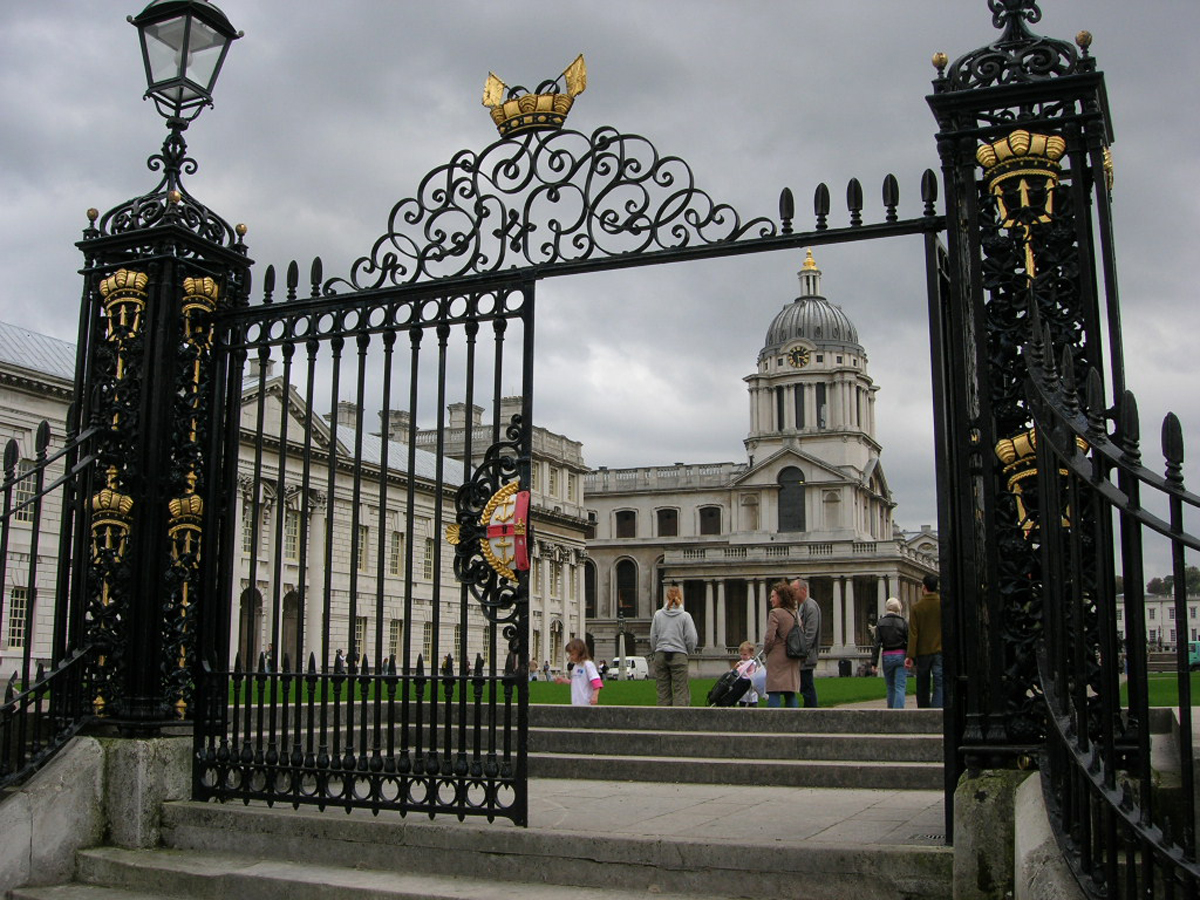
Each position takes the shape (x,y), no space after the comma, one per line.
(672,637)
(891,642)
(810,624)
(585,677)
(545,670)
(925,643)
(748,667)
(783,672)
(339,661)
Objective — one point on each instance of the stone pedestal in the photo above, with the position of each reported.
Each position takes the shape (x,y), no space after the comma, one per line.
(983,833)
(141,775)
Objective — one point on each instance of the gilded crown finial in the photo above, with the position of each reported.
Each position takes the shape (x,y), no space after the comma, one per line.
(809,262)
(515,109)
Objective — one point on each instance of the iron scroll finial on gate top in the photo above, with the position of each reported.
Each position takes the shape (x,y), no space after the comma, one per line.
(1018,56)
(515,109)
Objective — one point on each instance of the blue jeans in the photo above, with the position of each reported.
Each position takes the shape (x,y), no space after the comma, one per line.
(788,698)
(895,676)
(808,689)
(929,666)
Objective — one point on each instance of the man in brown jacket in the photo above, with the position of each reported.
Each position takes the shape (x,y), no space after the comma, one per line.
(925,643)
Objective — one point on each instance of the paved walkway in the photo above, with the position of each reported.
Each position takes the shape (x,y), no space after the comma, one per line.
(738,814)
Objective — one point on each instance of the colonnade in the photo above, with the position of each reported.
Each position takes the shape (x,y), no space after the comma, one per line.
(837,595)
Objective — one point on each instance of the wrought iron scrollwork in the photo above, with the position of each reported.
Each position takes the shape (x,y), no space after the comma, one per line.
(545,198)
(497,587)
(1018,56)
(169,202)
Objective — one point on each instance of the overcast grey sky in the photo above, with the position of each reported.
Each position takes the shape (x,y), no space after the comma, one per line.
(326,115)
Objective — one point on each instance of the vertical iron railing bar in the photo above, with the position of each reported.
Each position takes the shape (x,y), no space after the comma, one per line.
(1083,661)
(250,620)
(521,774)
(1108,263)
(309,758)
(439,487)
(283,762)
(41,442)
(324,761)
(499,328)
(1185,830)
(937,291)
(275,648)
(336,345)
(66,558)
(364,708)
(381,561)
(410,498)
(471,330)
(359,549)
(1081,190)
(11,457)
(307,516)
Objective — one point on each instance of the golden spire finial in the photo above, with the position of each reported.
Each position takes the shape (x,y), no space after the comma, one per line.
(809,262)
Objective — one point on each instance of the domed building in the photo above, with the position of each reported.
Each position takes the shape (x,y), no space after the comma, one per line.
(811,500)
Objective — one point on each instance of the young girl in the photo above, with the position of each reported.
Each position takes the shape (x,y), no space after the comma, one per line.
(748,667)
(585,678)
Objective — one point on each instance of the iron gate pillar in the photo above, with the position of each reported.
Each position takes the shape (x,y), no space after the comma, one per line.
(1023,130)
(156,269)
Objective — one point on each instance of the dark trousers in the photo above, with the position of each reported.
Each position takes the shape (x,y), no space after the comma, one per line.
(808,689)
(929,669)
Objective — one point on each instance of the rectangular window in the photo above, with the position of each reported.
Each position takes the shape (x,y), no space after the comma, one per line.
(360,635)
(430,556)
(626,523)
(553,481)
(396,553)
(1171,613)
(291,534)
(23,492)
(571,575)
(798,395)
(247,528)
(572,487)
(668,523)
(1150,613)
(427,644)
(556,579)
(822,411)
(533,476)
(395,636)
(18,607)
(364,539)
(459,652)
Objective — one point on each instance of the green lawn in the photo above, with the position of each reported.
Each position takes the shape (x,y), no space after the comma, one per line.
(830,692)
(1164,690)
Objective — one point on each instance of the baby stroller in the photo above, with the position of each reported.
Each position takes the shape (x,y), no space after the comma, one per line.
(730,687)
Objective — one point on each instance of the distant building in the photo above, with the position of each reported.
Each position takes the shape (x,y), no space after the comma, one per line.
(811,500)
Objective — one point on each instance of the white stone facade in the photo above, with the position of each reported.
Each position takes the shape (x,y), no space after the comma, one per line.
(811,501)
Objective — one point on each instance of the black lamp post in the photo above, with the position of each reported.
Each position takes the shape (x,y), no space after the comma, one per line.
(184,43)
(159,269)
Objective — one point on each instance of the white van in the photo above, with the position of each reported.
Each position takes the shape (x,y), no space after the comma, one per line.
(636,669)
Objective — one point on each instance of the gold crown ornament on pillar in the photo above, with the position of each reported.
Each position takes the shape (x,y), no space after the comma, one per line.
(1022,171)
(516,109)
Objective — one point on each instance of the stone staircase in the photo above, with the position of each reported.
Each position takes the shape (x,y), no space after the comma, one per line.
(625,803)
(830,748)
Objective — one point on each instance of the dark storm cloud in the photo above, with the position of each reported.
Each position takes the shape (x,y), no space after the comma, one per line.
(326,116)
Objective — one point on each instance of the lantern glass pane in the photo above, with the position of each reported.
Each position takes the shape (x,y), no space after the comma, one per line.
(164,48)
(204,53)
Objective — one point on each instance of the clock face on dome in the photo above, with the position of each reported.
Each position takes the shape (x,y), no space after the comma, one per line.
(798,357)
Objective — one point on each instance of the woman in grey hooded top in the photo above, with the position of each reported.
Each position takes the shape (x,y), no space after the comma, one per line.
(672,638)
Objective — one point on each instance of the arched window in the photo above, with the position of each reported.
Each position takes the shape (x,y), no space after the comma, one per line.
(589,589)
(791,500)
(710,520)
(626,523)
(627,586)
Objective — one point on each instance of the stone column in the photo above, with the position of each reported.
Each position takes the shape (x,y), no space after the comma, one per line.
(709,635)
(838,633)
(883,592)
(722,643)
(851,634)
(751,596)
(314,587)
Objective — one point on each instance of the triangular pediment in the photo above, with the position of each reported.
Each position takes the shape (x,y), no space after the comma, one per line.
(766,471)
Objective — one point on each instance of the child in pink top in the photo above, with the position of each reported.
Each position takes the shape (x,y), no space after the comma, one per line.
(585,677)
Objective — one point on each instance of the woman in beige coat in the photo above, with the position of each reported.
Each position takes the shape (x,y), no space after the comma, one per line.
(783,673)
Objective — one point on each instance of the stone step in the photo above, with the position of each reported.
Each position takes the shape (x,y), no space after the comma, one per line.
(719,770)
(739,746)
(739,721)
(187,874)
(723,861)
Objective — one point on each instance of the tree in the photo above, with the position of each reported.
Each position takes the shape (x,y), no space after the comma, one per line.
(1156,586)
(1167,583)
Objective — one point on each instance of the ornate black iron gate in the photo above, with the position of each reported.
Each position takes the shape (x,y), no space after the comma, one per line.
(333,526)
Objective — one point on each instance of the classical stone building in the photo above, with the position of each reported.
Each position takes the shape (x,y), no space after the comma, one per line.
(811,500)
(36,382)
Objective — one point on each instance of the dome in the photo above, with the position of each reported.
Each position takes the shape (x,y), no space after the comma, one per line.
(812,318)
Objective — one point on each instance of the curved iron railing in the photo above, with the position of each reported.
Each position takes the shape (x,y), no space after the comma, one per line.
(1120,782)
(48,698)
